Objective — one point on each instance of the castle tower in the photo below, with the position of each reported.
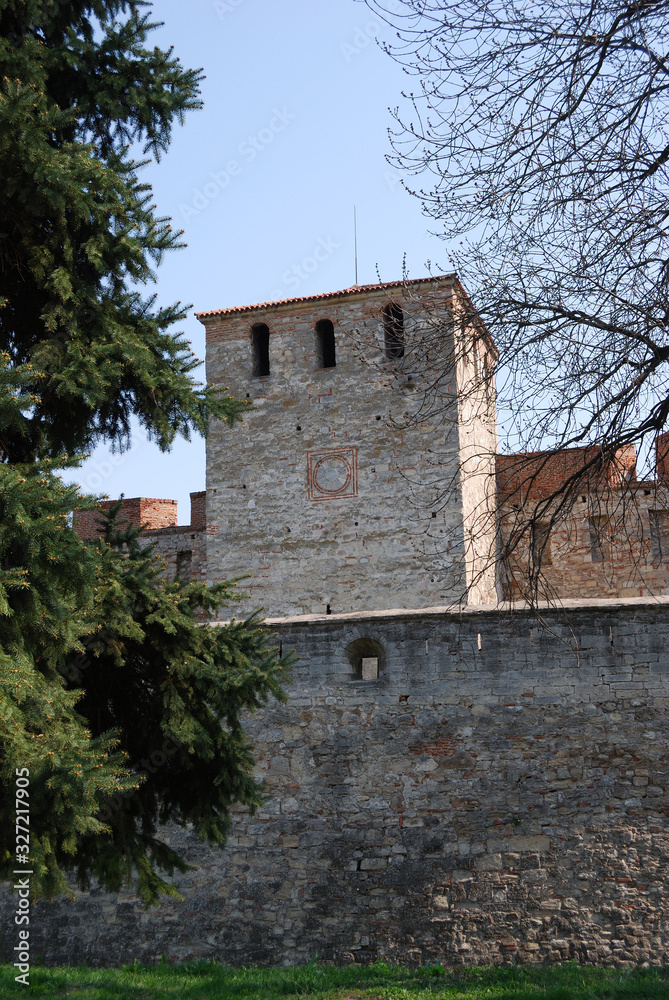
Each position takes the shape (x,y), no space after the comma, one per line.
(363,476)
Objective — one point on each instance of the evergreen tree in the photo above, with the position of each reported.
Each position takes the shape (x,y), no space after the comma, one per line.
(47,585)
(125,709)
(79,231)
(174,691)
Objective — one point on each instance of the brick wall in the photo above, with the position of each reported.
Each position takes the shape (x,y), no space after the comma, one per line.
(198,510)
(662,456)
(138,511)
(499,795)
(181,547)
(527,476)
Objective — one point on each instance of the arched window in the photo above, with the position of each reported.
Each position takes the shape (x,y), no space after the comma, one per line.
(325,344)
(367,658)
(260,345)
(393,331)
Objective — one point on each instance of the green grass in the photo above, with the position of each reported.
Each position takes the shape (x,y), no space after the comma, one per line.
(207,981)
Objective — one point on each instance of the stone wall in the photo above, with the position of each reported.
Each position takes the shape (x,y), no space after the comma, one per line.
(499,794)
(613,544)
(340,489)
(184,551)
(183,547)
(608,536)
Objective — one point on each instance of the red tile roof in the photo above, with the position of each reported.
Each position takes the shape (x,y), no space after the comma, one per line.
(353,290)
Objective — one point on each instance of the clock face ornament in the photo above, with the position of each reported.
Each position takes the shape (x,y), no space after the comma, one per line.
(332,474)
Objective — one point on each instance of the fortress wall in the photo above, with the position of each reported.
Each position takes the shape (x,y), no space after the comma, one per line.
(613,543)
(184,551)
(499,794)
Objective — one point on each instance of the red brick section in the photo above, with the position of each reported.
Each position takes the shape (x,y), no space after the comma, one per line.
(662,456)
(534,475)
(136,511)
(198,510)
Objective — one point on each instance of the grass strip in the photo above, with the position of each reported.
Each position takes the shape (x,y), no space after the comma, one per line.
(210,981)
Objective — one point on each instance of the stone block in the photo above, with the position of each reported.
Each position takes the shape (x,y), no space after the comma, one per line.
(518,844)
(488,862)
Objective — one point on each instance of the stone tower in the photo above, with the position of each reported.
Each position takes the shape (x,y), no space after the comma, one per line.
(363,476)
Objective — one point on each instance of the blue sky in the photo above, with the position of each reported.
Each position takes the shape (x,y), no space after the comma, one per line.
(293,133)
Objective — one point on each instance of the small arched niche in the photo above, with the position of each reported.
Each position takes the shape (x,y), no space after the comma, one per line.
(325,344)
(367,658)
(260,349)
(393,331)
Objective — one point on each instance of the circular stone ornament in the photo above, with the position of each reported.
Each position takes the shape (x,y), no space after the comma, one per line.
(333,475)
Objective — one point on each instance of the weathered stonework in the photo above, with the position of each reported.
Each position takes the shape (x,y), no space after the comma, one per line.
(500,794)
(610,539)
(393,526)
(184,552)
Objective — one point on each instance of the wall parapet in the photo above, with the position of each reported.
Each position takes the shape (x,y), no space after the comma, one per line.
(499,794)
(506,608)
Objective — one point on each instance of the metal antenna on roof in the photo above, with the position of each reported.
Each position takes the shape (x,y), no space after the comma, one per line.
(355,243)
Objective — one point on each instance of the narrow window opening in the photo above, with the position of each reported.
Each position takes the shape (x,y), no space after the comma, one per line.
(393,331)
(659,535)
(600,546)
(325,344)
(184,565)
(367,660)
(260,346)
(541,545)
(478,639)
